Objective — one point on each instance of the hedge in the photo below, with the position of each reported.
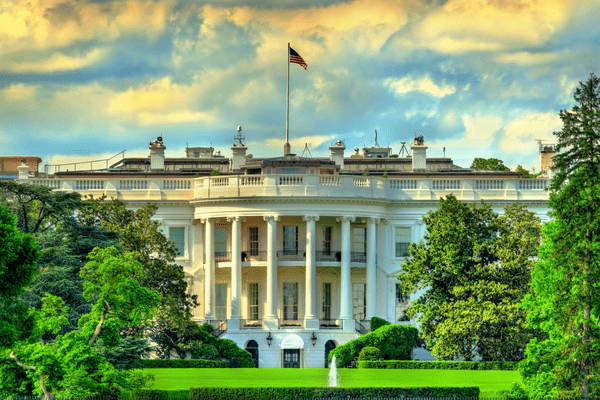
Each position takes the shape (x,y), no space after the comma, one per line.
(377,323)
(395,342)
(179,363)
(215,393)
(479,365)
(153,394)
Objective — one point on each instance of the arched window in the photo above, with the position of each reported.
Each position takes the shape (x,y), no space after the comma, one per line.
(330,345)
(252,348)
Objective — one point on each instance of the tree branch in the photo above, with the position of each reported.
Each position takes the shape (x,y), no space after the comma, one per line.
(14,357)
(100,323)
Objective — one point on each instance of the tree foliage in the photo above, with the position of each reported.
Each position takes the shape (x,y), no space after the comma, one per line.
(565,296)
(489,164)
(473,268)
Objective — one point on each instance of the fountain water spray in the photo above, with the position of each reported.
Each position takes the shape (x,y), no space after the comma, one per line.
(333,376)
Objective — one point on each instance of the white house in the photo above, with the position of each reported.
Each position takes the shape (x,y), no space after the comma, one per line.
(292,256)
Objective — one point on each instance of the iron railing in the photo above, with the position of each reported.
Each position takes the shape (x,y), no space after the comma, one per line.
(362,327)
(220,328)
(358,256)
(291,255)
(248,255)
(332,255)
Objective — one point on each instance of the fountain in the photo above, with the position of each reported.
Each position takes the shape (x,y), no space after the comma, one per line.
(333,376)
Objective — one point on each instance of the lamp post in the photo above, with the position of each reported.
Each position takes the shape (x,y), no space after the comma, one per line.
(313,339)
(269,339)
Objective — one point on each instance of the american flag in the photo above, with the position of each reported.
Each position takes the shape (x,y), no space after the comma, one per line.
(295,58)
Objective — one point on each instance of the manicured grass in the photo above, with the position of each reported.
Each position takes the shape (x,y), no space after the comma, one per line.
(489,382)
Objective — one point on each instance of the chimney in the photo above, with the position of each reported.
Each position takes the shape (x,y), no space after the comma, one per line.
(238,151)
(419,155)
(547,153)
(157,154)
(336,154)
(23,170)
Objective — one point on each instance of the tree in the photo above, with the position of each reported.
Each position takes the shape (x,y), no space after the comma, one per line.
(527,173)
(489,164)
(70,363)
(39,208)
(18,255)
(139,234)
(473,269)
(566,286)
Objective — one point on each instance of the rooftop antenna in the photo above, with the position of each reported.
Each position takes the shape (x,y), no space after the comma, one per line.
(239,137)
(375,144)
(444,152)
(403,150)
(306,150)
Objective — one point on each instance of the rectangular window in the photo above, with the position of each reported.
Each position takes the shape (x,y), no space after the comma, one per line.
(326,240)
(403,240)
(359,244)
(290,240)
(221,244)
(253,241)
(177,238)
(327,301)
(290,301)
(402,304)
(359,301)
(221,302)
(253,301)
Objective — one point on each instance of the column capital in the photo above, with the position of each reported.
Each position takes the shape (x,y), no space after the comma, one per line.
(385,221)
(236,219)
(207,219)
(374,220)
(345,219)
(310,218)
(273,217)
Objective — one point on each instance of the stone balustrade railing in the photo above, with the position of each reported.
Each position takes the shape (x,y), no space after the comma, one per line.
(233,186)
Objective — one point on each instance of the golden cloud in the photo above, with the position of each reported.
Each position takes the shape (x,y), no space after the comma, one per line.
(519,134)
(176,117)
(424,85)
(61,62)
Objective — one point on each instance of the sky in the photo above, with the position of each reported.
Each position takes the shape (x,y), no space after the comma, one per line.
(84,80)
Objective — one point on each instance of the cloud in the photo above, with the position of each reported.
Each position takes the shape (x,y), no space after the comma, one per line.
(518,136)
(525,58)
(274,146)
(19,93)
(176,117)
(424,85)
(61,62)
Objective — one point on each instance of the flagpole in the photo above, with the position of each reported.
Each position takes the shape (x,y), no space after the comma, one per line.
(286,146)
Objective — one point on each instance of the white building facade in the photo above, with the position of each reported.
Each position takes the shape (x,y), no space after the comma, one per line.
(291,257)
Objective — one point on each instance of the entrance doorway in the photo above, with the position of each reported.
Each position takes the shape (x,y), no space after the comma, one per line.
(330,345)
(252,348)
(291,358)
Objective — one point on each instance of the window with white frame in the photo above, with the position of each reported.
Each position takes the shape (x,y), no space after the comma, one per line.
(403,240)
(177,239)
(253,301)
(327,301)
(326,240)
(253,236)
(402,304)
(290,301)
(290,240)
(221,301)
(359,244)
(359,301)
(221,244)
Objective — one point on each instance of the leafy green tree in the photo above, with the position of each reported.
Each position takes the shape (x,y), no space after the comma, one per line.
(473,269)
(566,286)
(489,164)
(70,364)
(39,208)
(139,234)
(526,173)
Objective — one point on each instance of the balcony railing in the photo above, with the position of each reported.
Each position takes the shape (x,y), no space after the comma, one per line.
(291,255)
(362,327)
(359,257)
(332,256)
(290,324)
(220,328)
(222,256)
(248,255)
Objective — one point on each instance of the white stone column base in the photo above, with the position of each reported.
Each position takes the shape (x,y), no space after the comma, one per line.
(348,325)
(311,323)
(271,324)
(233,325)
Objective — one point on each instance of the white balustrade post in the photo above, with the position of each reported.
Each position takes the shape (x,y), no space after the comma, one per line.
(209,270)
(346,292)
(310,319)
(236,272)
(371,269)
(270,321)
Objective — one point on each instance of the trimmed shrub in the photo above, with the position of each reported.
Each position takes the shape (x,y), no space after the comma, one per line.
(463,365)
(208,352)
(299,393)
(377,322)
(154,394)
(208,328)
(395,342)
(239,358)
(369,353)
(179,363)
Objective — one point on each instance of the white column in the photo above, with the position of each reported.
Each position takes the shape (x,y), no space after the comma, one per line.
(346,292)
(371,268)
(209,270)
(236,272)
(310,318)
(270,320)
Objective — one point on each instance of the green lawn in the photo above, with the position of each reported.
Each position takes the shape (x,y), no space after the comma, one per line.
(184,378)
